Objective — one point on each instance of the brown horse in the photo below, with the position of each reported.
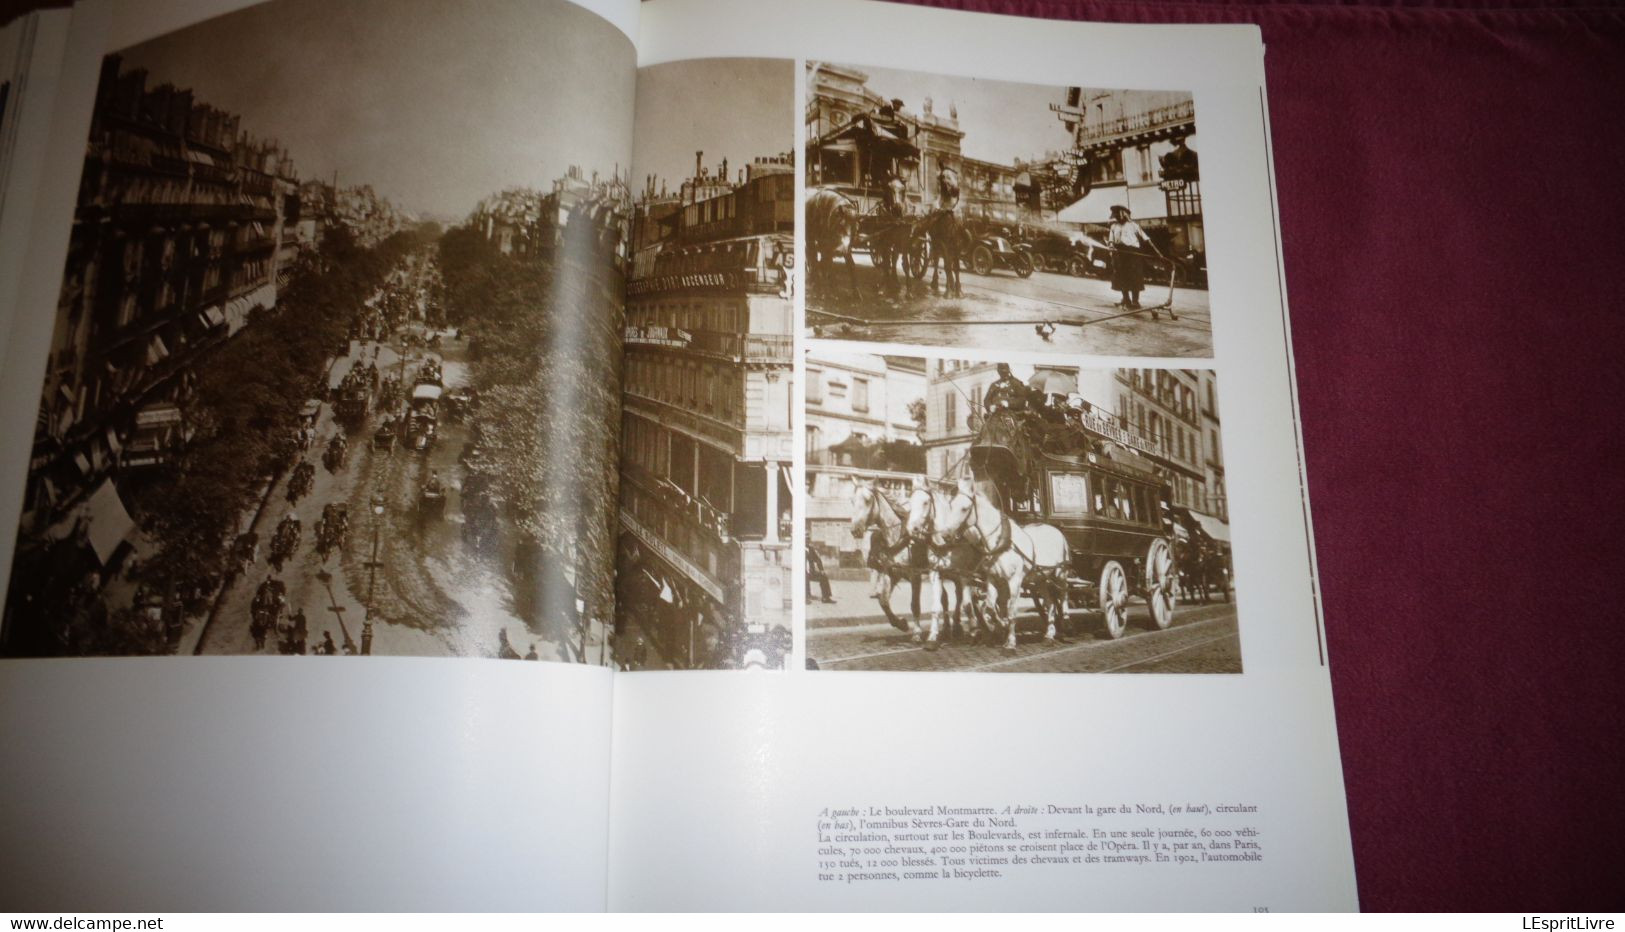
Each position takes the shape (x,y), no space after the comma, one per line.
(832,220)
(947,236)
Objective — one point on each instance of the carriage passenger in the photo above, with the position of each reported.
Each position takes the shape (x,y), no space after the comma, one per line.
(1007,392)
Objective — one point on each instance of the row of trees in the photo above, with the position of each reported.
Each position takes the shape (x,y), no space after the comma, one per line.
(244,412)
(544,338)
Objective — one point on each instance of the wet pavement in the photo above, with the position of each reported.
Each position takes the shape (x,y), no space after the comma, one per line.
(1002,309)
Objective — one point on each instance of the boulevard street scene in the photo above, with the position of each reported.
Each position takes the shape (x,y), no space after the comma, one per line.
(331,374)
(1015,517)
(948,211)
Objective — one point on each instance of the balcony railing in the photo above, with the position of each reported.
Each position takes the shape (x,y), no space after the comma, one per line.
(735,347)
(1137,123)
(698,425)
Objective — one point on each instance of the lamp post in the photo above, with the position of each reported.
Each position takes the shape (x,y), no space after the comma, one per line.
(372,573)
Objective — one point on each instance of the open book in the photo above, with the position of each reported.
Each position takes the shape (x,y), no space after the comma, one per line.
(655,343)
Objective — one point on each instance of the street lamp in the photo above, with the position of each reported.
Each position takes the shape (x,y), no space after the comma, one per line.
(372,573)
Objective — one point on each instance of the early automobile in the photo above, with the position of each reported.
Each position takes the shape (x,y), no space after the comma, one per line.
(994,251)
(1072,253)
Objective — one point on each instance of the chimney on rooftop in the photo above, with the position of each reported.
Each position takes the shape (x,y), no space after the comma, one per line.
(699,163)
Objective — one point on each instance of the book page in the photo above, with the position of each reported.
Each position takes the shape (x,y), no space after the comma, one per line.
(319,358)
(1044,425)
(31,50)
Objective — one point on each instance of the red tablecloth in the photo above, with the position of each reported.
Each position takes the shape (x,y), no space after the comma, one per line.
(1450,197)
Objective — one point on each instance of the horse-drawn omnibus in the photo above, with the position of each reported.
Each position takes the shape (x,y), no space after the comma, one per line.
(1108,502)
(851,168)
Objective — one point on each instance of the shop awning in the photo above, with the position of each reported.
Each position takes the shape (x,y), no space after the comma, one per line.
(1215,528)
(1143,201)
(158,415)
(107,522)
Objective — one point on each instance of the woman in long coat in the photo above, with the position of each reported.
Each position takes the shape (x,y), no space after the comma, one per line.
(1128,244)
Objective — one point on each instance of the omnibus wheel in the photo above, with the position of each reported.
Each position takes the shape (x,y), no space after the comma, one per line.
(917,258)
(1160,577)
(1113,599)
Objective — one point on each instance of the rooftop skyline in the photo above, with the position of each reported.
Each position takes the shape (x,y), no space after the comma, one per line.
(387,92)
(746,109)
(1002,120)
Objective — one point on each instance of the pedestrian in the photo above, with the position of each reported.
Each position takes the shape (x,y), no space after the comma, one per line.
(815,573)
(1128,242)
(327,646)
(531,654)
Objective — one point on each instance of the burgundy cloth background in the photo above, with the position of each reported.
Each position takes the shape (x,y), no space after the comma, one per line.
(1450,194)
(1450,182)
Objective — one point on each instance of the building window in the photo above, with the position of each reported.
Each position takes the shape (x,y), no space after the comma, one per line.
(860,395)
(948,413)
(1142,163)
(815,386)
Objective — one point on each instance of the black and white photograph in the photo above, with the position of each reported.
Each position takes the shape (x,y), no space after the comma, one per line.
(955,211)
(1015,517)
(335,365)
(705,525)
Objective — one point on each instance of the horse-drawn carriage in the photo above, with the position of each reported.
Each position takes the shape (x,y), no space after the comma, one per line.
(333,528)
(301,481)
(459,404)
(337,450)
(422,420)
(285,540)
(265,612)
(1202,551)
(854,204)
(1050,511)
(384,437)
(309,413)
(432,500)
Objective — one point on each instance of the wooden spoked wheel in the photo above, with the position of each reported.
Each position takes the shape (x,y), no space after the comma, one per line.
(1113,599)
(1160,578)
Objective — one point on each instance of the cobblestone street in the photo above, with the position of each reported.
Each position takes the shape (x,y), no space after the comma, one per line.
(1202,639)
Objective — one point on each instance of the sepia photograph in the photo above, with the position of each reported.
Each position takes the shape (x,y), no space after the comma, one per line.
(334,369)
(1009,517)
(705,523)
(952,211)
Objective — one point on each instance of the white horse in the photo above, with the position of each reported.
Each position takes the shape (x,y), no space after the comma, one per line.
(872,510)
(952,562)
(1012,552)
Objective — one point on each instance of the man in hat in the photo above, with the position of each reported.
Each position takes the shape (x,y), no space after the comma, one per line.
(889,117)
(1006,392)
(1128,242)
(817,575)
